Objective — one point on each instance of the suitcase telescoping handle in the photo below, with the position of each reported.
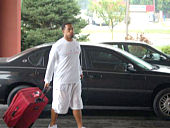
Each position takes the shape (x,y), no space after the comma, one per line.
(44,91)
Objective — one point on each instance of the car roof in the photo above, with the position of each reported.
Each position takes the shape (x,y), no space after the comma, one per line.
(127,41)
(81,43)
(50,44)
(100,45)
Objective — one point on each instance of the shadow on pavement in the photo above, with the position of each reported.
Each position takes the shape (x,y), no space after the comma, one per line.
(110,113)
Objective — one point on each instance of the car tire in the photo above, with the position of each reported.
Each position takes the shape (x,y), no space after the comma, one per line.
(13,92)
(161,104)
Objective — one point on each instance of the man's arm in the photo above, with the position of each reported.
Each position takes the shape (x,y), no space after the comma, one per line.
(80,69)
(50,67)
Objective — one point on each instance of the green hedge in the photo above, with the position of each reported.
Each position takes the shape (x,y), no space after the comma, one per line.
(166,49)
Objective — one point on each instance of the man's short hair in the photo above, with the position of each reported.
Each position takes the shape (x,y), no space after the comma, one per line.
(64,24)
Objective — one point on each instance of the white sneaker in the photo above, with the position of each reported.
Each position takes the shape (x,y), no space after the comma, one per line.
(83,127)
(54,126)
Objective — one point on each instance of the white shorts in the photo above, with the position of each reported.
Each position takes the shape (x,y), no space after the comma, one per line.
(65,96)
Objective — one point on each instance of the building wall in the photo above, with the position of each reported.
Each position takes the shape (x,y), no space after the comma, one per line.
(10,27)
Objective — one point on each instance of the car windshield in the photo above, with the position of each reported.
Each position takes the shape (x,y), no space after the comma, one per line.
(135,59)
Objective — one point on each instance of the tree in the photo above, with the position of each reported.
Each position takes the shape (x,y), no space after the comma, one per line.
(141,2)
(41,20)
(163,5)
(111,11)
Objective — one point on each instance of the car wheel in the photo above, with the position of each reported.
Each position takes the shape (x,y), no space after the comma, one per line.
(161,104)
(13,92)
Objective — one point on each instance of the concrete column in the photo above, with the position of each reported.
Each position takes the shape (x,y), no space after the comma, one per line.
(10,27)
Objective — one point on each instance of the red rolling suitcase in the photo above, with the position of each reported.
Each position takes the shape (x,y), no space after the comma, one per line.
(25,108)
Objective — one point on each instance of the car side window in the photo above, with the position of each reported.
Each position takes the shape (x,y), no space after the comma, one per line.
(103,60)
(144,52)
(46,56)
(37,58)
(136,50)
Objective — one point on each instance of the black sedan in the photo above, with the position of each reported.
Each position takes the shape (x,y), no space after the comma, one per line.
(143,51)
(113,79)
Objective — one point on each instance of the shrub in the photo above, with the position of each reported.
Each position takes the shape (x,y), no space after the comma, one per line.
(166,49)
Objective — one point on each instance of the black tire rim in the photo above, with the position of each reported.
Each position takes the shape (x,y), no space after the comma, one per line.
(164,104)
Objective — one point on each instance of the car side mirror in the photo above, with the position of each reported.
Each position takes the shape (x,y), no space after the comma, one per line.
(131,68)
(163,58)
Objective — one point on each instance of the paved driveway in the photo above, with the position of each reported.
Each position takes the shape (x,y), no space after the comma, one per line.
(101,119)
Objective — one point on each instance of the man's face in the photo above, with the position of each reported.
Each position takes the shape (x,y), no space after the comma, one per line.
(68,31)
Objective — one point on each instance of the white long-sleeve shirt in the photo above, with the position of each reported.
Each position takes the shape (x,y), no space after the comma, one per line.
(64,63)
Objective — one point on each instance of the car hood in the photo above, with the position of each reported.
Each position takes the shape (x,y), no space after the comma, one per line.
(162,69)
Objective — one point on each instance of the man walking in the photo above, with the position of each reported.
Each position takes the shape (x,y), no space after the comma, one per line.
(64,67)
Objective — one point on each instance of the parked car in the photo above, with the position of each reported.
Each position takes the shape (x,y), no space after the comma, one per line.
(143,51)
(113,78)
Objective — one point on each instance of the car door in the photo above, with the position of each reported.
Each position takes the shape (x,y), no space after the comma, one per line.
(108,82)
(39,60)
(83,81)
(41,70)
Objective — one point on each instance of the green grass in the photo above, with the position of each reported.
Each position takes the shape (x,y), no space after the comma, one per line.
(160,31)
(151,31)
(161,47)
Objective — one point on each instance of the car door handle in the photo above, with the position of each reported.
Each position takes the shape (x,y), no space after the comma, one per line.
(91,76)
(96,76)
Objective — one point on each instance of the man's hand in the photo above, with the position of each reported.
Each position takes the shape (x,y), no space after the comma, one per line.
(81,76)
(46,85)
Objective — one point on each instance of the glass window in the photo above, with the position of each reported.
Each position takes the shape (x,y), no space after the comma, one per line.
(104,60)
(46,56)
(37,58)
(136,50)
(136,60)
(143,52)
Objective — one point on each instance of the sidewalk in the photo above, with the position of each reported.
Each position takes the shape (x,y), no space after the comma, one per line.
(102,122)
(101,119)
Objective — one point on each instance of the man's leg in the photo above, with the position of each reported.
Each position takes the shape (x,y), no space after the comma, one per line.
(54,116)
(78,117)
